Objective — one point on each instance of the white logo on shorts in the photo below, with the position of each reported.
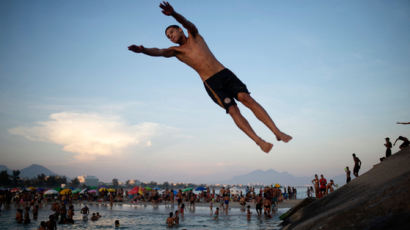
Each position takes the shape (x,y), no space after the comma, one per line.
(227,100)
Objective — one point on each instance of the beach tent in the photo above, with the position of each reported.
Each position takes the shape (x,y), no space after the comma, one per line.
(50,192)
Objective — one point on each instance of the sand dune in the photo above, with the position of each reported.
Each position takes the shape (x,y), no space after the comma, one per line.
(378,199)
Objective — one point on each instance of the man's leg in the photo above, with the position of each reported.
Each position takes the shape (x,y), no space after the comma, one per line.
(262,115)
(243,124)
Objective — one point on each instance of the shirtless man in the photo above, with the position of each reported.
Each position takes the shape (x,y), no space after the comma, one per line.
(221,84)
(357,165)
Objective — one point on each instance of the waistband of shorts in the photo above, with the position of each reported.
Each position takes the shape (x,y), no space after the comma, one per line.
(218,73)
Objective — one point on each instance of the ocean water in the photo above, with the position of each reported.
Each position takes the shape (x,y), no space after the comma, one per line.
(149,217)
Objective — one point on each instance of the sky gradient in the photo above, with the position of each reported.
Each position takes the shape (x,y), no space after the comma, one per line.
(333,74)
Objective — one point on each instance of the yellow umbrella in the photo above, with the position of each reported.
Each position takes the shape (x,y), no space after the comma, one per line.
(31,188)
(102,189)
(111,190)
(65,191)
(277,185)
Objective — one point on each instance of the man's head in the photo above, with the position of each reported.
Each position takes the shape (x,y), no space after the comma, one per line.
(353,154)
(174,33)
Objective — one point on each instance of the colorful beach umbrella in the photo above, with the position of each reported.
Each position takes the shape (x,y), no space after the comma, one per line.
(277,185)
(50,192)
(111,190)
(65,191)
(187,189)
(14,190)
(83,191)
(102,189)
(148,188)
(77,190)
(92,191)
(200,188)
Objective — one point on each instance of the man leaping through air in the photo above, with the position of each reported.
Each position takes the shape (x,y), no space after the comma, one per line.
(221,84)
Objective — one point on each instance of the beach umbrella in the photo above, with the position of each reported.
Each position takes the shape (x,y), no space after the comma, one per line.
(277,185)
(57,189)
(148,188)
(156,188)
(92,191)
(65,191)
(83,191)
(111,190)
(234,191)
(77,190)
(200,188)
(133,191)
(14,190)
(50,192)
(102,189)
(31,188)
(187,189)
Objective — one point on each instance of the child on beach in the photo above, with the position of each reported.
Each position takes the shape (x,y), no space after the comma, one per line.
(176,218)
(216,215)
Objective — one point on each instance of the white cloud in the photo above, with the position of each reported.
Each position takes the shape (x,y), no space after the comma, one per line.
(90,135)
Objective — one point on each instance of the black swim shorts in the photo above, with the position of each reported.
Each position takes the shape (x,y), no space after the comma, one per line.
(223,87)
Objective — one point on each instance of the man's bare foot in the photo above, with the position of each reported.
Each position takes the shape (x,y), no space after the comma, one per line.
(283,137)
(265,146)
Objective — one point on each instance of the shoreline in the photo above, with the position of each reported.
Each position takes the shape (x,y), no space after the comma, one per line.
(283,204)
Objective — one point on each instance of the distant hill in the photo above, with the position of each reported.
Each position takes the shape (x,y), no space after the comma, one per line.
(34,170)
(3,167)
(271,176)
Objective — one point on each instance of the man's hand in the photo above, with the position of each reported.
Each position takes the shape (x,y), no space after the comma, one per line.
(136,49)
(166,8)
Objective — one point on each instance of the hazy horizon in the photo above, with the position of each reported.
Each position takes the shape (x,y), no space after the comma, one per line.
(333,74)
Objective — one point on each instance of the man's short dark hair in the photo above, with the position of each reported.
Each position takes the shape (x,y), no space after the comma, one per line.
(171,26)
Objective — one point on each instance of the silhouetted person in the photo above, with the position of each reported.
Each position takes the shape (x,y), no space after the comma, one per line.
(357,165)
(388,147)
(405,142)
(348,178)
(221,84)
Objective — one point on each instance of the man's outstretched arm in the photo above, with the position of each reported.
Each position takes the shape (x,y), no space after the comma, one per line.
(168,10)
(155,52)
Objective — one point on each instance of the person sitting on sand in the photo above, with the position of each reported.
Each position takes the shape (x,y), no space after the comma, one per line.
(221,84)
(329,187)
(404,144)
(357,165)
(170,220)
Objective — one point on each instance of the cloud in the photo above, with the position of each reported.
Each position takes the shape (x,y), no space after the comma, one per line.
(91,135)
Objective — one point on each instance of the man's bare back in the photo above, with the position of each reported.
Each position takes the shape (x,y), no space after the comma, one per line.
(221,84)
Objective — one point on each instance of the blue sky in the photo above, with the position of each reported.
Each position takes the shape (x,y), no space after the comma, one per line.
(333,74)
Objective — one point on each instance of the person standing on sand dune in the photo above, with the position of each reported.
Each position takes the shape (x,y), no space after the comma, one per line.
(221,84)
(348,178)
(357,165)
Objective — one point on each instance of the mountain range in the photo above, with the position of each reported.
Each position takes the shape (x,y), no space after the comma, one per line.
(30,171)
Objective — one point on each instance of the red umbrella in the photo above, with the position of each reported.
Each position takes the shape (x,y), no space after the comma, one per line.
(134,190)
(14,190)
